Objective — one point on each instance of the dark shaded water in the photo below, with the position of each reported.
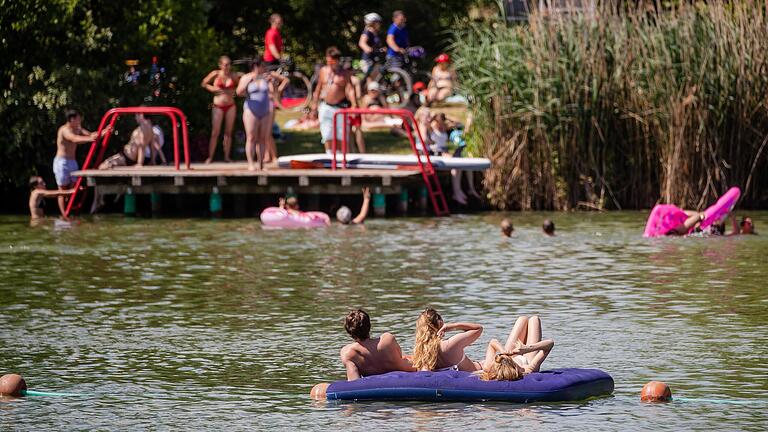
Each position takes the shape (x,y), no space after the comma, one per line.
(192,324)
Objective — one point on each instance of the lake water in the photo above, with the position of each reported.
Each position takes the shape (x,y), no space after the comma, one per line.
(219,324)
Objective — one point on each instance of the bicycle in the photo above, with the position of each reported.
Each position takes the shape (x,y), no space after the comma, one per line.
(297,94)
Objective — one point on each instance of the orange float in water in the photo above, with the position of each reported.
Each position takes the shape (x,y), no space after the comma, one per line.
(318,391)
(656,391)
(12,385)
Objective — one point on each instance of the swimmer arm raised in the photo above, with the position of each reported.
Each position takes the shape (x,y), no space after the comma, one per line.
(363,208)
(471,332)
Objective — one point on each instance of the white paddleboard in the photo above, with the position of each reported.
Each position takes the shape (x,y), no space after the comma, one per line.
(387,161)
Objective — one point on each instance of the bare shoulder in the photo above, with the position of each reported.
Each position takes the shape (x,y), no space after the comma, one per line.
(347,351)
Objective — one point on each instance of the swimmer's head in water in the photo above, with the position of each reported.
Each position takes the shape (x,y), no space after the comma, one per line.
(717,228)
(36,182)
(344,215)
(358,324)
(427,344)
(504,368)
(292,203)
(548,227)
(506,227)
(746,226)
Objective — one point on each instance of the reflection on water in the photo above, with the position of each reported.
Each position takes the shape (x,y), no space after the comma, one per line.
(171,322)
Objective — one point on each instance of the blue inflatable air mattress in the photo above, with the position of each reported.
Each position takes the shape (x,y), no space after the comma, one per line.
(559,385)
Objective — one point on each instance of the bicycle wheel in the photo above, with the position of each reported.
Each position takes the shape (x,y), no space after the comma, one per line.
(396,87)
(297,94)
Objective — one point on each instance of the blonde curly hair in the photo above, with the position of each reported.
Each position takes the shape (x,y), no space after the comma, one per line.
(427,345)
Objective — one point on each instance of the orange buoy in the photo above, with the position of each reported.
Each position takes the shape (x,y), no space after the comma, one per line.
(12,385)
(318,391)
(656,391)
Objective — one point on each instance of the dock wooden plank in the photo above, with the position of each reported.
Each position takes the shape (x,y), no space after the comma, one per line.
(240,170)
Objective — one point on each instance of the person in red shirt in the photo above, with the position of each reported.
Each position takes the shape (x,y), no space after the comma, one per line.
(273,42)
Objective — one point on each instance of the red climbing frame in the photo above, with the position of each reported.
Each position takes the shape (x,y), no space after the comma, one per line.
(177,118)
(428,173)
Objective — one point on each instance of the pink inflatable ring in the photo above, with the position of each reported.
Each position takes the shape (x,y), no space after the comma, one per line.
(276,217)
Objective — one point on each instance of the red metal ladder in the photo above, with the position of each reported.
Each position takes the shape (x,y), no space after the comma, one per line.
(178,119)
(428,173)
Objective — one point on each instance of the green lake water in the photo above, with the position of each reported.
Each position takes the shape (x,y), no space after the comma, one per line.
(219,324)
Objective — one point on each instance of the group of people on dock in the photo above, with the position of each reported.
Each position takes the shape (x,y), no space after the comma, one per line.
(522,353)
(336,87)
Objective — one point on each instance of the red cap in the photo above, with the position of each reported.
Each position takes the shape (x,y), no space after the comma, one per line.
(443,58)
(418,86)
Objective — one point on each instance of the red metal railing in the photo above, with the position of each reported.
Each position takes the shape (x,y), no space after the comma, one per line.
(178,119)
(428,173)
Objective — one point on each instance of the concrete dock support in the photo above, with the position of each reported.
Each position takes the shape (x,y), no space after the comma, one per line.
(379,202)
(215,203)
(402,203)
(129,202)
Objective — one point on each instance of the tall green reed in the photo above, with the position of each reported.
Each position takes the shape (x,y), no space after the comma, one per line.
(622,107)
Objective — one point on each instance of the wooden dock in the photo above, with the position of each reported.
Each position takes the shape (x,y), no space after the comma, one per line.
(235,178)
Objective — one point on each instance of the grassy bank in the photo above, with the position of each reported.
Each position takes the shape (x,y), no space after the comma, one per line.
(622,108)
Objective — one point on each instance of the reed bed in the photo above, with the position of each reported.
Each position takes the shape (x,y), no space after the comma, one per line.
(622,107)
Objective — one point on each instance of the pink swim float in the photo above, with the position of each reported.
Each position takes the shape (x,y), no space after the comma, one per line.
(280,218)
(665,217)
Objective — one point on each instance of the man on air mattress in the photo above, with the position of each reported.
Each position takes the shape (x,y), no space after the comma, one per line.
(370,356)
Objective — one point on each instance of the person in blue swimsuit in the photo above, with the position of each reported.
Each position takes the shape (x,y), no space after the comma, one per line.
(260,88)
(397,40)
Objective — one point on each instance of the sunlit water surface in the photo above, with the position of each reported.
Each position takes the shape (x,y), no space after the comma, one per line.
(219,324)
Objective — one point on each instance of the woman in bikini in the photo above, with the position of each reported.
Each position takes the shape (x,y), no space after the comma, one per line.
(443,80)
(431,352)
(222,83)
(523,353)
(260,89)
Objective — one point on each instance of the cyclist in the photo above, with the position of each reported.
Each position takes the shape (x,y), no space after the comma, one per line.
(273,42)
(397,40)
(370,42)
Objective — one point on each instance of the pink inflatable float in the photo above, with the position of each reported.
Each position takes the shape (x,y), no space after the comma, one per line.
(281,218)
(665,217)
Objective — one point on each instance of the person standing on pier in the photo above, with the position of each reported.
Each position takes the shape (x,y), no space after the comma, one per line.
(260,88)
(334,91)
(221,83)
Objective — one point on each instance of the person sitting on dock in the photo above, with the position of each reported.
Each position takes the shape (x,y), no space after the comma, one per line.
(344,214)
(133,151)
(370,356)
(37,196)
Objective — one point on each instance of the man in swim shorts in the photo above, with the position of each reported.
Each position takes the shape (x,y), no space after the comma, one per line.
(370,356)
(69,135)
(334,91)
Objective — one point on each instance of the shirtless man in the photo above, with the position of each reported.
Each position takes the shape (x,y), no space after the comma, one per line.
(370,356)
(69,135)
(133,151)
(334,91)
